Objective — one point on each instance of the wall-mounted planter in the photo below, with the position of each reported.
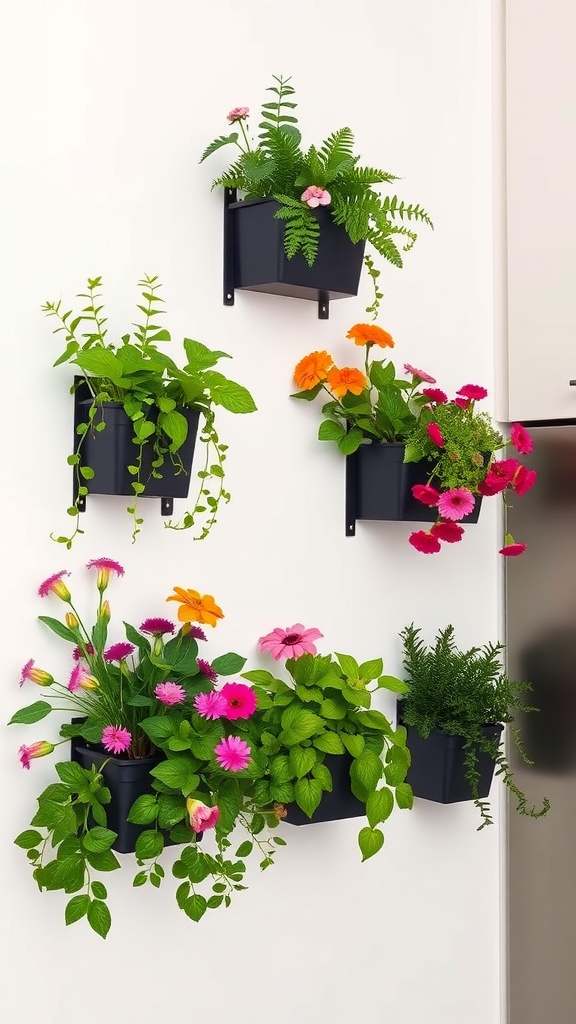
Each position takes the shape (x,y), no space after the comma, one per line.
(255,260)
(126,780)
(340,803)
(437,768)
(109,452)
(379,487)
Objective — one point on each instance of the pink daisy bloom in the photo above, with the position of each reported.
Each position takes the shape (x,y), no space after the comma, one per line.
(115,739)
(421,374)
(451,533)
(157,626)
(426,494)
(196,633)
(54,585)
(80,679)
(35,675)
(513,549)
(435,395)
(500,474)
(472,391)
(170,693)
(105,566)
(240,700)
(237,114)
(232,753)
(435,434)
(464,403)
(40,749)
(291,642)
(424,542)
(201,816)
(524,479)
(206,669)
(521,439)
(211,705)
(456,503)
(119,652)
(77,653)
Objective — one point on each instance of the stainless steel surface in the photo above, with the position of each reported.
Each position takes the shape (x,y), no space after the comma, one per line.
(541,639)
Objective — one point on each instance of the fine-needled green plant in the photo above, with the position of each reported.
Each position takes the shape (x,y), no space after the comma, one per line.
(459,692)
(153,390)
(329,174)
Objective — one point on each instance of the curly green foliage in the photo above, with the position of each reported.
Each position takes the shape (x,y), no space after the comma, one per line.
(460,692)
(470,440)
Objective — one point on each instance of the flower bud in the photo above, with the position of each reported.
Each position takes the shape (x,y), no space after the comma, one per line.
(39,676)
(280,811)
(88,683)
(104,613)
(201,816)
(71,620)
(39,749)
(61,590)
(102,579)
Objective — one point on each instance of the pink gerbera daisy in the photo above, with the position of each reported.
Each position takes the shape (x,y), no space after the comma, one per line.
(291,642)
(119,652)
(421,374)
(206,669)
(435,395)
(170,693)
(425,542)
(211,705)
(157,626)
(54,585)
(521,439)
(232,753)
(105,566)
(240,700)
(435,434)
(473,391)
(426,494)
(524,479)
(451,533)
(464,403)
(115,739)
(456,503)
(513,549)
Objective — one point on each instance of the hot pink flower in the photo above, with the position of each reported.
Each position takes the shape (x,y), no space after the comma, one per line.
(232,753)
(206,669)
(435,395)
(426,494)
(464,403)
(449,532)
(291,642)
(456,503)
(80,679)
(211,705)
(521,439)
(240,700)
(201,816)
(238,114)
(39,749)
(424,542)
(36,675)
(435,434)
(524,479)
(194,631)
(315,196)
(170,693)
(513,549)
(115,739)
(77,653)
(54,585)
(421,374)
(119,652)
(105,566)
(500,474)
(473,391)
(157,626)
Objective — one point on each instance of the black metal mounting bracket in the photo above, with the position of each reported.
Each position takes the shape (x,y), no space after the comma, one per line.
(229,198)
(324,308)
(166,506)
(351,495)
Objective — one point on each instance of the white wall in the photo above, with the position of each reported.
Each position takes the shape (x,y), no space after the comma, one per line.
(106,108)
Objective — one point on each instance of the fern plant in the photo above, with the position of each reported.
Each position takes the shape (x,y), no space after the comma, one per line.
(276,166)
(459,692)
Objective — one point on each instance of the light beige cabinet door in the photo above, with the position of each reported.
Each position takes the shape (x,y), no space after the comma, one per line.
(541,207)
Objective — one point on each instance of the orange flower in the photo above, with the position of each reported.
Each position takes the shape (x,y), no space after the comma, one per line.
(312,369)
(347,379)
(370,334)
(194,608)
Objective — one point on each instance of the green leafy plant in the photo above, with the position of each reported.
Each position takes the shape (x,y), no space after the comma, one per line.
(460,692)
(152,390)
(277,166)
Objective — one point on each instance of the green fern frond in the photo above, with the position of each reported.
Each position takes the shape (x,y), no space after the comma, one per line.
(338,145)
(274,114)
(301,229)
(223,140)
(371,176)
(395,208)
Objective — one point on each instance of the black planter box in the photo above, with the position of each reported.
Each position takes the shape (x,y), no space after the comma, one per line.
(437,768)
(383,485)
(261,265)
(126,780)
(340,803)
(109,452)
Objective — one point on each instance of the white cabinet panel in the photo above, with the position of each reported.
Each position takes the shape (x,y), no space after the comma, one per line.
(541,207)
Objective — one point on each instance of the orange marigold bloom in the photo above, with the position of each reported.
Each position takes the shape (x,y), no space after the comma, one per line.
(370,334)
(312,370)
(347,379)
(195,608)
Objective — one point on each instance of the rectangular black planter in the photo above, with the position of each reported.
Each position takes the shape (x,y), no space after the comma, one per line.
(260,263)
(340,803)
(437,768)
(126,780)
(383,484)
(109,452)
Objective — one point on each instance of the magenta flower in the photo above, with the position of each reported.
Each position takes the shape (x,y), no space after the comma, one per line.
(54,585)
(513,549)
(35,675)
(240,700)
(521,439)
(157,626)
(206,669)
(291,642)
(315,196)
(435,434)
(40,749)
(473,391)
(105,566)
(201,816)
(115,739)
(435,395)
(524,479)
(456,503)
(426,494)
(195,632)
(421,374)
(464,403)
(232,753)
(425,542)
(119,652)
(170,693)
(500,474)
(77,653)
(451,533)
(237,114)
(80,679)
(211,705)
